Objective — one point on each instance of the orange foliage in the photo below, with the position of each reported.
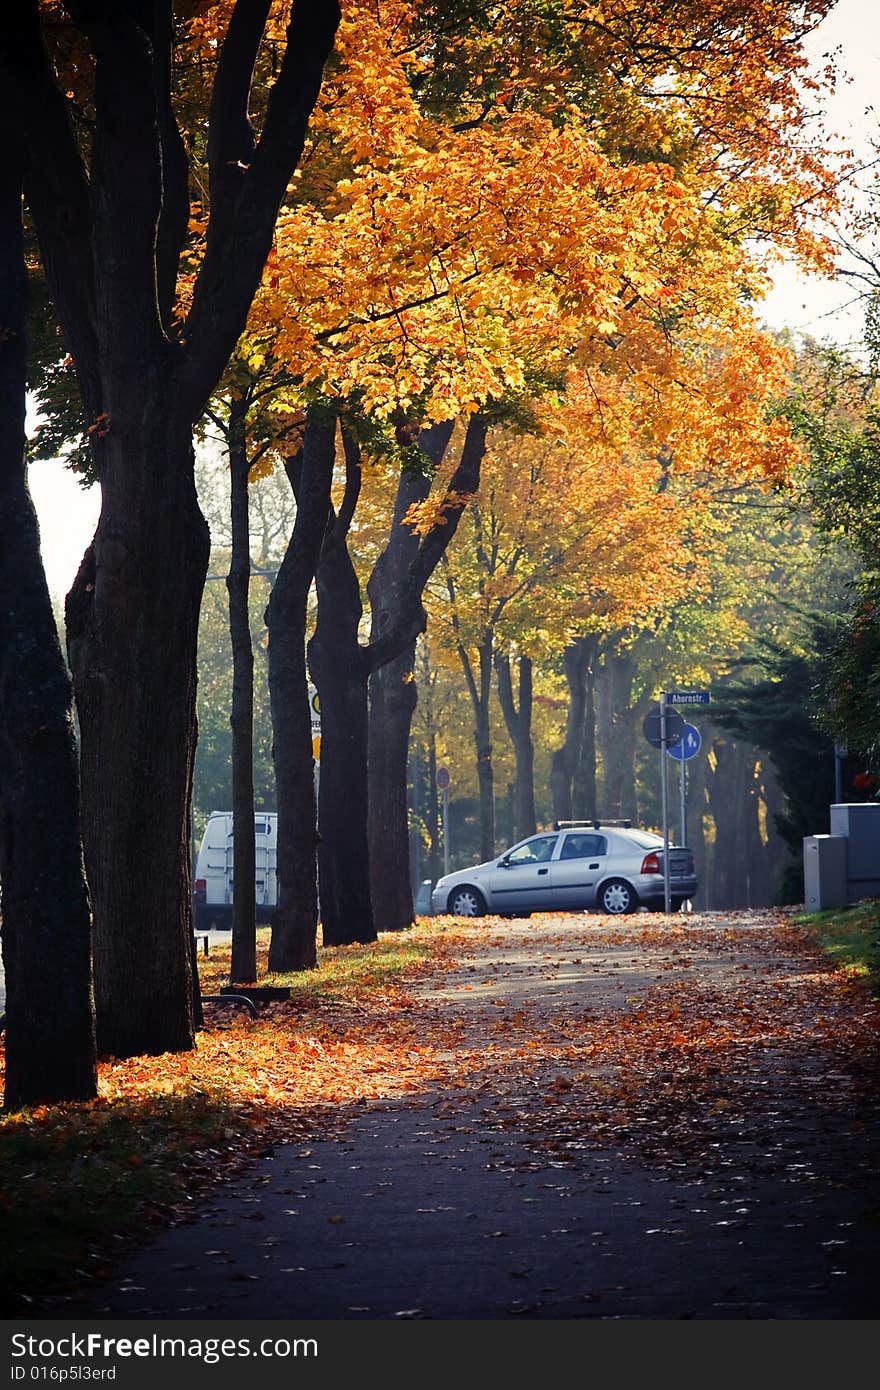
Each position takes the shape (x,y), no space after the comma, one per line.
(433,258)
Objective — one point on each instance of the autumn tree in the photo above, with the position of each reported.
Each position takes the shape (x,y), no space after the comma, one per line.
(562,534)
(110,200)
(50,1040)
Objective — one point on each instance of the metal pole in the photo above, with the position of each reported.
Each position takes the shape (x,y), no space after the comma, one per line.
(683,822)
(664,791)
(446,830)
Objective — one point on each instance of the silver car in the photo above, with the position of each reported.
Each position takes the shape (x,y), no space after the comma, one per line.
(602,865)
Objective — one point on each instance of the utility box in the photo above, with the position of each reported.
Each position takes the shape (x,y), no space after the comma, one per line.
(859,823)
(825,883)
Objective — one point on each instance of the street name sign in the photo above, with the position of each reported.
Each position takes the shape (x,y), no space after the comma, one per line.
(688,697)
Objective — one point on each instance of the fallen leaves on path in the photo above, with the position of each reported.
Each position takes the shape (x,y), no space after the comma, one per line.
(678,1039)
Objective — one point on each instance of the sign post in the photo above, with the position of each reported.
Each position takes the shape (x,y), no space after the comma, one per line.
(665,800)
(688,748)
(663,728)
(443,780)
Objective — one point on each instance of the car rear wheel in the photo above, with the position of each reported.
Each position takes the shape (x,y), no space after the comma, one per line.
(617,897)
(467,902)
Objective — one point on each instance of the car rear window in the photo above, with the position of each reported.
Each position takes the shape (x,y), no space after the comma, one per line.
(643,839)
(583,846)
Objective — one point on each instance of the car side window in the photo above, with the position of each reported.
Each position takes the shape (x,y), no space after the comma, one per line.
(584,846)
(534,851)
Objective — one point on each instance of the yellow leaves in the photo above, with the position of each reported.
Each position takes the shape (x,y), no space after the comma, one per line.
(424,517)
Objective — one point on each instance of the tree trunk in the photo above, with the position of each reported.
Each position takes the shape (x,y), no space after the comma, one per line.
(395,588)
(740,876)
(338,668)
(585,804)
(432,809)
(393,699)
(480,689)
(619,720)
(132,620)
(295,922)
(568,760)
(243,968)
(519,726)
(486,782)
(50,1039)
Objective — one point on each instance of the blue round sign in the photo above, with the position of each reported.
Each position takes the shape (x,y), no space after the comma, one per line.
(688,746)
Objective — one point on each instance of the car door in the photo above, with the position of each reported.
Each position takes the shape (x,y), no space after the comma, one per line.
(521,880)
(580,866)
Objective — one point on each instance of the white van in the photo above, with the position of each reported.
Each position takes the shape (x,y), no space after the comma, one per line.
(213,886)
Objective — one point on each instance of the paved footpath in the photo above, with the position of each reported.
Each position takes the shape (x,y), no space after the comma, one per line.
(749,1191)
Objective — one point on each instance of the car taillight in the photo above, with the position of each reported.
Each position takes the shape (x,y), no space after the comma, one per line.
(200,890)
(651,864)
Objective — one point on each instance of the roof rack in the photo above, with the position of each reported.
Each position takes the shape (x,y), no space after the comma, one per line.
(592,824)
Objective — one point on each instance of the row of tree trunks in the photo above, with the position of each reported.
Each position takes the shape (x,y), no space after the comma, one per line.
(50,1038)
(732,796)
(110,239)
(363,845)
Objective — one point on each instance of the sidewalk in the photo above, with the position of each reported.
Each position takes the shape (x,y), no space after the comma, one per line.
(668,1122)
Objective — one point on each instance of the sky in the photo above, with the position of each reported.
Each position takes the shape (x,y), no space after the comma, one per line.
(68,514)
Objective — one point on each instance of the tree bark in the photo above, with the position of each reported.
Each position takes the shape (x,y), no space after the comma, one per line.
(619,723)
(740,876)
(395,591)
(479,685)
(393,699)
(432,810)
(576,758)
(339,670)
(50,1038)
(585,804)
(243,966)
(519,726)
(295,921)
(485,769)
(132,619)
